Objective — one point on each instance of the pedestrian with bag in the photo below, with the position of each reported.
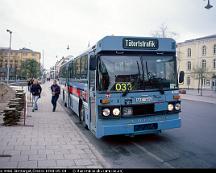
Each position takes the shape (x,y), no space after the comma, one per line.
(55,88)
(36,92)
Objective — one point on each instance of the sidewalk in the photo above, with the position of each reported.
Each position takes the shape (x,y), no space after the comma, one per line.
(49,140)
(207,96)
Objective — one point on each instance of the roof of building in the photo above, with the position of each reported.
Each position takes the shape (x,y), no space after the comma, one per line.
(25,50)
(198,39)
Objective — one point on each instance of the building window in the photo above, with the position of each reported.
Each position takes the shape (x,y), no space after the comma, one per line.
(214,63)
(189,52)
(203,64)
(189,65)
(204,50)
(207,83)
(214,49)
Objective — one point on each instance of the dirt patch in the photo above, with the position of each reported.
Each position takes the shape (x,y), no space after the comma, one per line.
(6,93)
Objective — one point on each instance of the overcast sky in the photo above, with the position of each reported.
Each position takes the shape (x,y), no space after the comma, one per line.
(52,25)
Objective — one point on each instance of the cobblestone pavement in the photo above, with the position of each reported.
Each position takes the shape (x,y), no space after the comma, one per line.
(49,140)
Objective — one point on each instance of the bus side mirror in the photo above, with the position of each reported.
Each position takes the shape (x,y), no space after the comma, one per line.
(181,77)
(93,62)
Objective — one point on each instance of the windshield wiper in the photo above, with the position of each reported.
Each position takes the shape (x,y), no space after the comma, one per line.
(157,82)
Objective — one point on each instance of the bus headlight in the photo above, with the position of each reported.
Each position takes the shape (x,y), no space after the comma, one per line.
(116,111)
(177,106)
(170,107)
(106,112)
(127,111)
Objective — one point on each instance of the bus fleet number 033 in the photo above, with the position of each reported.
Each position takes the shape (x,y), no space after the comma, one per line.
(123,86)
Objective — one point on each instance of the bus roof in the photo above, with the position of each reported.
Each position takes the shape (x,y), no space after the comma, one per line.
(129,43)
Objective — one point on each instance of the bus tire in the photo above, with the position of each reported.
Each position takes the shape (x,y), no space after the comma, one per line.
(82,115)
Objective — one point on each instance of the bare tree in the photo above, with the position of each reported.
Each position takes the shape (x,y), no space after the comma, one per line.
(164,32)
(200,73)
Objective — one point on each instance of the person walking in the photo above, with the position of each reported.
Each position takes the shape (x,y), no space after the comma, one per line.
(36,92)
(55,94)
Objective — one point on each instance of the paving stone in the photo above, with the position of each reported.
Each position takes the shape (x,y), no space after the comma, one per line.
(46,151)
(8,164)
(79,151)
(19,158)
(72,156)
(47,164)
(65,163)
(29,152)
(4,159)
(12,152)
(62,151)
(23,147)
(82,146)
(55,156)
(27,164)
(83,162)
(38,147)
(7,147)
(52,147)
(1,151)
(87,150)
(87,156)
(37,157)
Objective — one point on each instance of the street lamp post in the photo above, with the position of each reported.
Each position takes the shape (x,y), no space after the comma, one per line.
(8,66)
(208,6)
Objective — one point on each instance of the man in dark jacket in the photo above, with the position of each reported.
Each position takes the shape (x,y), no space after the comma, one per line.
(36,92)
(55,94)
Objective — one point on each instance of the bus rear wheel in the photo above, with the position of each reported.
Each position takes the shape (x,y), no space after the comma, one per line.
(82,116)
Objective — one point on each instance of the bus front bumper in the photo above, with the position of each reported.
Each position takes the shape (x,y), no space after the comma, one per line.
(138,128)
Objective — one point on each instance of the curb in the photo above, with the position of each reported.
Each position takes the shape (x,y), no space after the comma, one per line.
(198,100)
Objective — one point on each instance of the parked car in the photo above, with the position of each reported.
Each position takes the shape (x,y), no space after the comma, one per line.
(182,91)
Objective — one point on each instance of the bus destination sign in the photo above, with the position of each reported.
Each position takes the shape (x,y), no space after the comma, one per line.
(140,43)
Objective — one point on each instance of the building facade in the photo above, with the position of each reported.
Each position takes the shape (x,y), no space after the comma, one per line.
(54,71)
(16,58)
(197,58)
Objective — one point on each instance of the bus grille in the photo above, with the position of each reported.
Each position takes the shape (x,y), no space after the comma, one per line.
(145,109)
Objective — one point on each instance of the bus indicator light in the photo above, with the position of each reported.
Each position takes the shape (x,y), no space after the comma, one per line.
(177,97)
(105,101)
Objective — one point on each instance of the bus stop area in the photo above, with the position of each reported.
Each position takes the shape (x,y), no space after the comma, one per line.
(47,140)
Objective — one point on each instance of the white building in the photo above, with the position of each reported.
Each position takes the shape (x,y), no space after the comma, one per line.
(198,54)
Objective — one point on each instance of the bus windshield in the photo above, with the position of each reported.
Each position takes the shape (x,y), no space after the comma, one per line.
(121,73)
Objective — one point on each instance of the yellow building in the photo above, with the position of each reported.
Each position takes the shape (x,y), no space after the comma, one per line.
(16,57)
(198,55)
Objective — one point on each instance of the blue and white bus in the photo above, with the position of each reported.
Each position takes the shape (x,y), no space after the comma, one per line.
(124,85)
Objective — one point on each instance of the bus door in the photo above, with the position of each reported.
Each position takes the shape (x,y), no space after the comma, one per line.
(92,100)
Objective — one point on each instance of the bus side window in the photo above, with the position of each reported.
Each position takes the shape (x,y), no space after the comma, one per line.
(84,65)
(74,69)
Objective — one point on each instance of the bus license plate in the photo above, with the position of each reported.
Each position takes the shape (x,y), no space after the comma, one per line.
(143,127)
